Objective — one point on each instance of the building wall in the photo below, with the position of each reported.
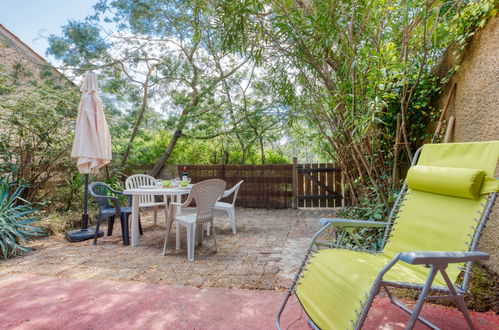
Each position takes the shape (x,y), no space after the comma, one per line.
(22,68)
(475,107)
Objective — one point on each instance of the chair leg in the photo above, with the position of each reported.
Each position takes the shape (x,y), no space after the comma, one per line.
(178,199)
(214,236)
(155,211)
(177,236)
(232,217)
(191,238)
(123,232)
(461,305)
(167,235)
(406,309)
(199,234)
(124,223)
(458,298)
(110,225)
(166,212)
(97,225)
(422,296)
(208,227)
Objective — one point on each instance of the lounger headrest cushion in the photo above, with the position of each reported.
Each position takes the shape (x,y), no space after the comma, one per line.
(451,181)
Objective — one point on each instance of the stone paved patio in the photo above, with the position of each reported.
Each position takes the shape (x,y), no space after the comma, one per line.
(263,255)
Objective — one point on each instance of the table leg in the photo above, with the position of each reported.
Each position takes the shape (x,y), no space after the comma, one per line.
(135,220)
(167,206)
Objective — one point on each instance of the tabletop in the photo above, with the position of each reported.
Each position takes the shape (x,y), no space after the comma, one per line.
(158,191)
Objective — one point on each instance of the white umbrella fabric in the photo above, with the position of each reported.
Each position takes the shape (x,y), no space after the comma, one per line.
(91,145)
(92,142)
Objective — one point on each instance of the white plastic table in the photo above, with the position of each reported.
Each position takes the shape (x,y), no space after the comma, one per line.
(135,193)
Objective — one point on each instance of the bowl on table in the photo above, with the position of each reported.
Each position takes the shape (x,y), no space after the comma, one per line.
(184,183)
(166,183)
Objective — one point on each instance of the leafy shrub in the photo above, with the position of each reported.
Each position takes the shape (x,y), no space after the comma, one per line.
(15,219)
(274,157)
(367,209)
(37,123)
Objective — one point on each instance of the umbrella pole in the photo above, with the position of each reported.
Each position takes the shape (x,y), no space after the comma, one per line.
(84,216)
(84,233)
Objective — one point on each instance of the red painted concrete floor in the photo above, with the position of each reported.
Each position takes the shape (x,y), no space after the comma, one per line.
(44,302)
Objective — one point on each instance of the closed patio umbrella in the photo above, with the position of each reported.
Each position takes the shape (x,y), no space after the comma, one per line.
(91,145)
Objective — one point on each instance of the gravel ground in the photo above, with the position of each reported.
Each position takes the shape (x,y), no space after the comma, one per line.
(264,254)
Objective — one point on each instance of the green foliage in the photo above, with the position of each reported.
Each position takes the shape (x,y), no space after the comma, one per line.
(274,157)
(367,209)
(16,217)
(90,44)
(168,54)
(72,191)
(351,68)
(483,289)
(465,24)
(36,137)
(234,78)
(148,146)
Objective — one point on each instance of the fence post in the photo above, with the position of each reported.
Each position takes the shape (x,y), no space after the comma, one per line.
(295,183)
(222,176)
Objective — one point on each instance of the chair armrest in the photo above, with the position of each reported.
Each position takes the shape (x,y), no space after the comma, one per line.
(128,197)
(441,257)
(338,222)
(173,205)
(116,191)
(115,202)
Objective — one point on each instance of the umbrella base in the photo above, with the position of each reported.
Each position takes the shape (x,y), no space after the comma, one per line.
(82,234)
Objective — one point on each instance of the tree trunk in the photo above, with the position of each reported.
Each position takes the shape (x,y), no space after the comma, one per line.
(178,133)
(166,154)
(262,150)
(139,118)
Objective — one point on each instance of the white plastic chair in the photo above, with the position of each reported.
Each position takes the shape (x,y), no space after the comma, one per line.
(205,194)
(228,207)
(137,180)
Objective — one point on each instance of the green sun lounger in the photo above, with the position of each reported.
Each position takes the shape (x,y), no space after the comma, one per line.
(431,236)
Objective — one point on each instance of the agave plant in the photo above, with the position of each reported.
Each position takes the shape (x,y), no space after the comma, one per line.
(15,219)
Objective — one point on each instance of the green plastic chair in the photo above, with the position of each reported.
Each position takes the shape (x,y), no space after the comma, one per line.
(431,236)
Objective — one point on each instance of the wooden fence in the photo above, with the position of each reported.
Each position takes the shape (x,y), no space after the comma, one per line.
(272,186)
(265,186)
(317,185)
